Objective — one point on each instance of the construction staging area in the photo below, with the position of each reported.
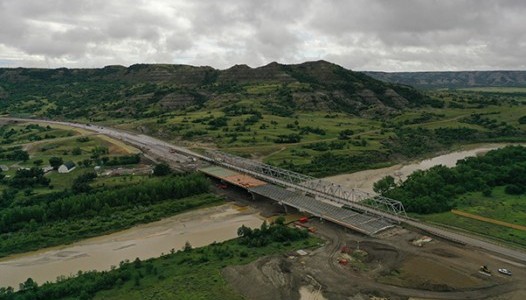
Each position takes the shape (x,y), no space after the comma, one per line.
(358,221)
(374,260)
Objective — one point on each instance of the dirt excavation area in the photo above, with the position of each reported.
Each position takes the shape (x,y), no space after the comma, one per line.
(397,264)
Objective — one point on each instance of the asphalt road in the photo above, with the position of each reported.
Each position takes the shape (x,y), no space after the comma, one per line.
(184,155)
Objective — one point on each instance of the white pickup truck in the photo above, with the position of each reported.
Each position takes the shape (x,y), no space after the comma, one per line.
(505,272)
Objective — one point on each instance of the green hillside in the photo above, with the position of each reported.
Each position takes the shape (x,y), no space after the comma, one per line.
(316,118)
(143,91)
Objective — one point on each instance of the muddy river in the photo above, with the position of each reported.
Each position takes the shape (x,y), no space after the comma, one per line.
(200,227)
(364,180)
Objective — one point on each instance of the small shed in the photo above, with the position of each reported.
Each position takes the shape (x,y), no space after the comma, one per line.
(4,168)
(66,167)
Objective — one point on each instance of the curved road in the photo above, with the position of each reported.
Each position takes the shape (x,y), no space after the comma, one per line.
(181,154)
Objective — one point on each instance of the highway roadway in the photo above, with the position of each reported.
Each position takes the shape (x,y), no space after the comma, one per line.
(180,154)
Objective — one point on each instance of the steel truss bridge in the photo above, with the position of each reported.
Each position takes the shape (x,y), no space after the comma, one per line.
(362,201)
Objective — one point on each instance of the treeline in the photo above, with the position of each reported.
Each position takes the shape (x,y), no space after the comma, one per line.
(14,154)
(325,146)
(502,127)
(180,264)
(266,234)
(87,205)
(123,160)
(436,189)
(330,163)
(413,142)
(28,178)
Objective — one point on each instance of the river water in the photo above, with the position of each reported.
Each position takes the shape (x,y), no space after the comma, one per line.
(364,180)
(200,228)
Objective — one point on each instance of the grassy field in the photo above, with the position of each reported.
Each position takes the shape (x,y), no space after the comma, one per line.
(499,233)
(504,90)
(17,134)
(499,206)
(488,220)
(42,142)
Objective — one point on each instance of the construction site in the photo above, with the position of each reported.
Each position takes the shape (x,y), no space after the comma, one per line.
(369,248)
(362,256)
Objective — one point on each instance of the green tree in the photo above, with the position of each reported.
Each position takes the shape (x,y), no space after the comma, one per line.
(162,169)
(29,285)
(18,155)
(55,162)
(76,151)
(187,246)
(384,185)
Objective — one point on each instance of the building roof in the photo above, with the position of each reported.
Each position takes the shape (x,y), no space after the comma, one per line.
(69,164)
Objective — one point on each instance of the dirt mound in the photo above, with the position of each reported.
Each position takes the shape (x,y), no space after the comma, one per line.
(266,278)
(376,252)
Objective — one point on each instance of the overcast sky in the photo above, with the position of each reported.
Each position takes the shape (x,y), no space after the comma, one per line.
(401,35)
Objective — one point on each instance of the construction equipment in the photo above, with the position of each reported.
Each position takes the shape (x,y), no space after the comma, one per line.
(484,270)
(346,249)
(309,228)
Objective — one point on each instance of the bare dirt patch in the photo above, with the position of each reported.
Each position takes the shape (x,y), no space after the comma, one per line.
(424,273)
(392,268)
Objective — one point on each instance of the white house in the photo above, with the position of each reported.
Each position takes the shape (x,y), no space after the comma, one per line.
(66,167)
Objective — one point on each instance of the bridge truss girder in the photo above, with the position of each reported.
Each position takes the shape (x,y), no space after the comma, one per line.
(326,189)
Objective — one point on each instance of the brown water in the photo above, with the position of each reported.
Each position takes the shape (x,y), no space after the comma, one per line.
(364,180)
(200,227)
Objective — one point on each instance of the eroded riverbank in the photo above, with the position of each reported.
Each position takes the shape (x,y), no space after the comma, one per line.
(200,227)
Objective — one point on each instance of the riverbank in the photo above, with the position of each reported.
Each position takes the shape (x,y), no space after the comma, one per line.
(200,227)
(364,180)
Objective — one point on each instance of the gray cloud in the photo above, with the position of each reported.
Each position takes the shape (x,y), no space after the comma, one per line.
(406,35)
